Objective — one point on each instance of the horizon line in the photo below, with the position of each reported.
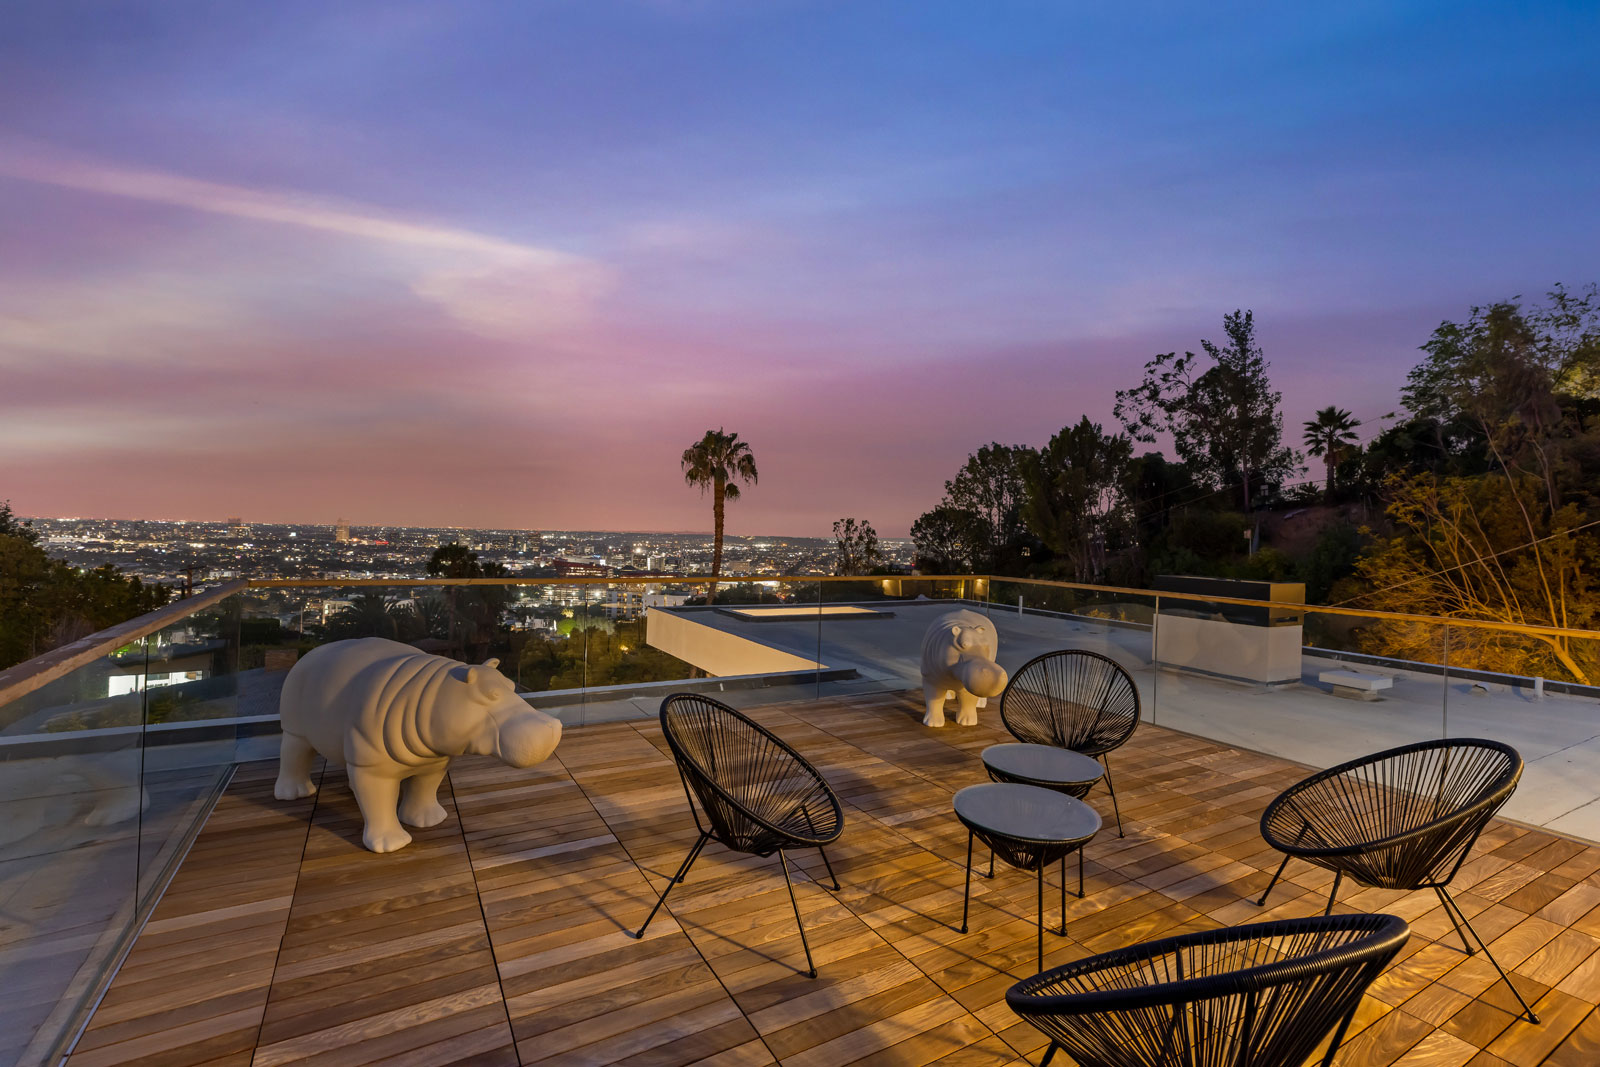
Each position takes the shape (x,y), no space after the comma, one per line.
(402,526)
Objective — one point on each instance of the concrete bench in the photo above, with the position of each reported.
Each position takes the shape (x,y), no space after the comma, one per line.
(1356,686)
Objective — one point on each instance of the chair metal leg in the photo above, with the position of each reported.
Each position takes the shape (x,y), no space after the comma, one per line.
(1449,902)
(1040,915)
(811,968)
(828,865)
(1462,934)
(1263,901)
(822,850)
(1063,930)
(1338,876)
(1115,810)
(1338,1035)
(1049,1053)
(967,896)
(683,870)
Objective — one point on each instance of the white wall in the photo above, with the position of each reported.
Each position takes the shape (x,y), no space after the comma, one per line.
(715,651)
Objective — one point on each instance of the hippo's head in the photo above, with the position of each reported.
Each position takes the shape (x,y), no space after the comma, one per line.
(974,642)
(981,677)
(509,729)
(974,635)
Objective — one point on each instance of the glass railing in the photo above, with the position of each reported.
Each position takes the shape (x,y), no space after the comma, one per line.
(104,778)
(111,751)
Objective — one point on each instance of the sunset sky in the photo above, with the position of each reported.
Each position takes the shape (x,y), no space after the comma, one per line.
(497,264)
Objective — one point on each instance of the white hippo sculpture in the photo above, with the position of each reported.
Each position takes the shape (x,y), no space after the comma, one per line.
(958,661)
(394,716)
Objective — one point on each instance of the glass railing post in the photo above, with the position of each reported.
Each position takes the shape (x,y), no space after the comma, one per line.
(816,674)
(583,624)
(1155,660)
(1444,703)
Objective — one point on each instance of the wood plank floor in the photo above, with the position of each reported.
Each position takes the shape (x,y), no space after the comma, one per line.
(501,936)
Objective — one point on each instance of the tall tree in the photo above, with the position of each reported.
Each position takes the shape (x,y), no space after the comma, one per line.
(857,546)
(11,526)
(1329,435)
(472,612)
(454,560)
(45,602)
(718,462)
(1077,495)
(1224,420)
(947,539)
(366,615)
(1513,373)
(990,486)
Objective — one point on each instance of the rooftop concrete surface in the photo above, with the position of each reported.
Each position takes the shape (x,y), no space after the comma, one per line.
(1558,735)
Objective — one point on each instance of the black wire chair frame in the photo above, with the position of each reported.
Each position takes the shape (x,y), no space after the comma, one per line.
(1258,995)
(1075,699)
(758,794)
(1404,818)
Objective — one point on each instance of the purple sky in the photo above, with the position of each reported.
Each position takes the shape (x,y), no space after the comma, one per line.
(497,264)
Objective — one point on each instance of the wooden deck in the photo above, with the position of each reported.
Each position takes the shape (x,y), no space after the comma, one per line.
(500,936)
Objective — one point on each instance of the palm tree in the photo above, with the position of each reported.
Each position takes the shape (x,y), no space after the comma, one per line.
(718,462)
(365,615)
(1329,434)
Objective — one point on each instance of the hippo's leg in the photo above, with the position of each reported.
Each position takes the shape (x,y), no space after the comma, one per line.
(295,756)
(419,798)
(378,795)
(966,708)
(933,695)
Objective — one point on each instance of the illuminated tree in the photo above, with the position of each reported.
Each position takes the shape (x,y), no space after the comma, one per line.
(1461,550)
(718,462)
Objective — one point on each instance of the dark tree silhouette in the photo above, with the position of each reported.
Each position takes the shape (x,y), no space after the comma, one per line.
(719,461)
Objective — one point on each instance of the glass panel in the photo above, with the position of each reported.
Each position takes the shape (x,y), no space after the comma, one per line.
(1314,687)
(870,633)
(755,642)
(70,804)
(1537,694)
(1037,617)
(545,642)
(191,687)
(636,634)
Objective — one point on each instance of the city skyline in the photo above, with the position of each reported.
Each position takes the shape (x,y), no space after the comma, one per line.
(176,551)
(495,266)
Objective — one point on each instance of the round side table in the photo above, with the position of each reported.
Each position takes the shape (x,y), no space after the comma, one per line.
(1060,769)
(1029,827)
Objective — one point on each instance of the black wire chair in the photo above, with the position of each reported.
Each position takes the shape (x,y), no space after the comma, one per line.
(1073,699)
(1404,818)
(1259,995)
(759,795)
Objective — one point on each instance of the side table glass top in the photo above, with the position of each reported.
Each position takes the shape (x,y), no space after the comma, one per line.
(1026,812)
(1043,763)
